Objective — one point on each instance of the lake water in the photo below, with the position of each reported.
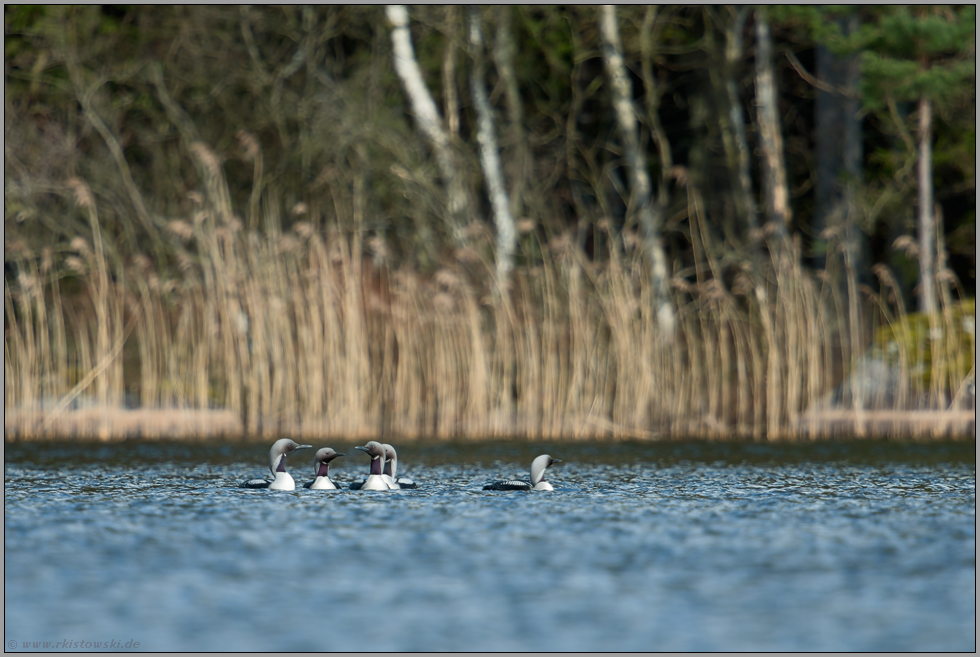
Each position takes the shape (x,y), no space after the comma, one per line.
(859,546)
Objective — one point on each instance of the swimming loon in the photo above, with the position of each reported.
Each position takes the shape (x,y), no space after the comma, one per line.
(390,472)
(538,466)
(375,480)
(321,468)
(277,463)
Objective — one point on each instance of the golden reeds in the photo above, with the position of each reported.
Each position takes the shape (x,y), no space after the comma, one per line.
(301,333)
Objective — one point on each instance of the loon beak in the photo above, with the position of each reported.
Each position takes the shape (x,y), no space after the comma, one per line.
(362,448)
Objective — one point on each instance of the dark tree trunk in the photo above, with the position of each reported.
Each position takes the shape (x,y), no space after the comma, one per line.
(839,149)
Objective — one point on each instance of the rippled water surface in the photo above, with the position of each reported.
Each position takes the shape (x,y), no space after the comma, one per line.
(693,546)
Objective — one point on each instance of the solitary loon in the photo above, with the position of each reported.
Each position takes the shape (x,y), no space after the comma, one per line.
(277,463)
(321,468)
(538,466)
(390,473)
(375,480)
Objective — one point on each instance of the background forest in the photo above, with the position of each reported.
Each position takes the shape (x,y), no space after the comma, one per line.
(509,221)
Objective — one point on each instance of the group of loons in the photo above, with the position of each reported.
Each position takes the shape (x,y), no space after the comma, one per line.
(383,474)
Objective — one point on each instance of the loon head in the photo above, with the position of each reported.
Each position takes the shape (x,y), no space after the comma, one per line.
(322,459)
(538,466)
(376,451)
(277,455)
(391,461)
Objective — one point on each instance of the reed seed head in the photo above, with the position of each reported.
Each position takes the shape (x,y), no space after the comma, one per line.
(908,244)
(83,195)
(207,158)
(525,226)
(249,144)
(75,264)
(467,255)
(181,229)
(81,245)
(303,229)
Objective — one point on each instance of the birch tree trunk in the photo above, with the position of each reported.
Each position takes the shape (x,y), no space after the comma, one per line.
(771,137)
(428,119)
(776,195)
(449,72)
(490,158)
(927,247)
(650,219)
(733,55)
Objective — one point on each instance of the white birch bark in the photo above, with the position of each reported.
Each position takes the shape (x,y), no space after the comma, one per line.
(427,116)
(927,247)
(776,195)
(770,133)
(622,92)
(490,158)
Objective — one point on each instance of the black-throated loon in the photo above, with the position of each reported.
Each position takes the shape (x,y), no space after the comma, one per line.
(277,463)
(390,472)
(321,468)
(375,480)
(538,466)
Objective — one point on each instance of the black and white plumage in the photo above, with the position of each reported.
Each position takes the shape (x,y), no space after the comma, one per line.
(390,472)
(321,470)
(538,466)
(277,464)
(375,480)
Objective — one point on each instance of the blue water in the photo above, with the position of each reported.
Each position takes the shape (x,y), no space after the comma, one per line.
(851,546)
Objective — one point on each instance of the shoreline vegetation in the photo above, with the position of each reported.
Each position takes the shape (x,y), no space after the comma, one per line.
(303,334)
(438,223)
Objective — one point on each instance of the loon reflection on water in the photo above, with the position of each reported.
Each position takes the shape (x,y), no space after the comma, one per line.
(538,466)
(277,464)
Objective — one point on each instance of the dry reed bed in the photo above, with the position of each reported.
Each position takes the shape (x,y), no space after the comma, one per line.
(302,334)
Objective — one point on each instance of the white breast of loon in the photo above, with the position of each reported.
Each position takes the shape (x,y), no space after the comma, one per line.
(322,483)
(373,482)
(283,481)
